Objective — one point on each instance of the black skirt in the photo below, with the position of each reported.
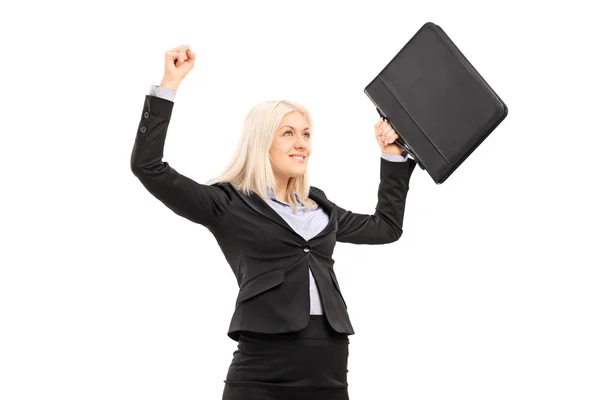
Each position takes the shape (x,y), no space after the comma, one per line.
(309,364)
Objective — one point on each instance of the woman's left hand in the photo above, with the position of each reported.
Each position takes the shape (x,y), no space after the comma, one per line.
(385,135)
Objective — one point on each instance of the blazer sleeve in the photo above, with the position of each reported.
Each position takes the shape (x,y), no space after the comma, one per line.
(385,225)
(202,204)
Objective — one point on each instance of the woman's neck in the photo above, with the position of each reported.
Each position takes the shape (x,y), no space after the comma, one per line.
(280,188)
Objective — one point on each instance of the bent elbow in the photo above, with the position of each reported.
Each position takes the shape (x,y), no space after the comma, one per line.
(136,170)
(140,167)
(395,235)
(134,163)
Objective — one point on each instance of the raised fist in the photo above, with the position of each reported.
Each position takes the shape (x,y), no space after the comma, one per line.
(178,62)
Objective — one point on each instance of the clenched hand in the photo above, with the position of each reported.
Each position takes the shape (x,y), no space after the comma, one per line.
(385,135)
(178,62)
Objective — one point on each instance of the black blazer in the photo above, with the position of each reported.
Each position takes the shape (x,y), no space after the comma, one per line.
(268,258)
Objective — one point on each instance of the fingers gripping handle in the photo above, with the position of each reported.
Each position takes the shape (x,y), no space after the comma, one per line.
(402,144)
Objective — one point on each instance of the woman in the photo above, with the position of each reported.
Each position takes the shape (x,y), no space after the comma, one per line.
(277,234)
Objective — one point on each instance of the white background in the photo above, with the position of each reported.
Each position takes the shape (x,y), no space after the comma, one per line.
(491,293)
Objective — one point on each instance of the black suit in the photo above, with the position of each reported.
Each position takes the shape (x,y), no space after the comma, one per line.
(269,259)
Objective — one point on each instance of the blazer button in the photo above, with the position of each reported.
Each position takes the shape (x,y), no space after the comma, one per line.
(306,249)
(143,129)
(146,114)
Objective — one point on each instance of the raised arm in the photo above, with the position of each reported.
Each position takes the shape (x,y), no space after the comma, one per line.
(197,202)
(385,225)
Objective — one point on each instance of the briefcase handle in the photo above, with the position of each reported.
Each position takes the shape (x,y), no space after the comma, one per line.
(403,145)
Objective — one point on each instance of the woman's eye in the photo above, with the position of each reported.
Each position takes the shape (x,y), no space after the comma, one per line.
(307,134)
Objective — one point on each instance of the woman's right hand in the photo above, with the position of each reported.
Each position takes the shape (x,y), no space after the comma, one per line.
(178,62)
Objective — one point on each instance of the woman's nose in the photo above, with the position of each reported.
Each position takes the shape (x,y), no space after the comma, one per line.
(300,142)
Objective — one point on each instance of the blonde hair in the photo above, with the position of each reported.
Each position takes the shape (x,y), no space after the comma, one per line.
(250,167)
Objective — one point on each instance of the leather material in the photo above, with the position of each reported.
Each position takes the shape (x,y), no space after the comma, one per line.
(438,103)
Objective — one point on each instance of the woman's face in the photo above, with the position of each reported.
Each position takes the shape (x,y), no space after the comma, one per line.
(290,149)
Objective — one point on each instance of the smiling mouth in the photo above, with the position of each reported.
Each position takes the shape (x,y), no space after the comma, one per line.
(298,158)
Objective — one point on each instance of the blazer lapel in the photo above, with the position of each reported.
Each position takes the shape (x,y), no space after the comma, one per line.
(326,205)
(259,205)
(255,202)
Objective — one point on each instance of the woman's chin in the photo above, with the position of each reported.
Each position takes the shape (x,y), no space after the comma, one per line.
(297,172)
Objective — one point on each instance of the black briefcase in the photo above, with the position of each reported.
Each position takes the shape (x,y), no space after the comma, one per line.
(436,101)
